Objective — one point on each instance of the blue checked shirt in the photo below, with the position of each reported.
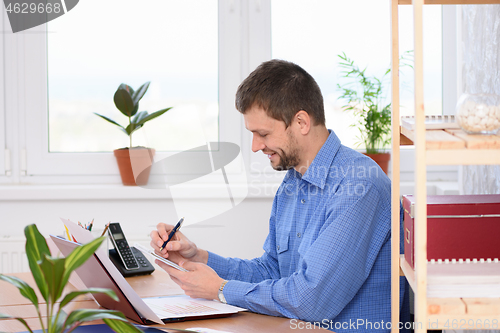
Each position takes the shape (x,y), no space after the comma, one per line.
(327,255)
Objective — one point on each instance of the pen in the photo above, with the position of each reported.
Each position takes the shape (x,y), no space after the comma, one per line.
(177,227)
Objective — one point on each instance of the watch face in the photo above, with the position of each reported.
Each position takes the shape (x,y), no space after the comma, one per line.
(222,299)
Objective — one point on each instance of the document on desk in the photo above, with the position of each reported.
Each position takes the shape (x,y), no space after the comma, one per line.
(184,306)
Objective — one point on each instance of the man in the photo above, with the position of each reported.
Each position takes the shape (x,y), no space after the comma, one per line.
(327,255)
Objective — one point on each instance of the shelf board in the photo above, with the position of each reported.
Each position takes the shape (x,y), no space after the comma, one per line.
(463,322)
(455,147)
(404,141)
(463,157)
(437,139)
(476,141)
(452,2)
(445,313)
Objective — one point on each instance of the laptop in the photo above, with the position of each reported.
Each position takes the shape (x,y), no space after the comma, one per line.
(99,272)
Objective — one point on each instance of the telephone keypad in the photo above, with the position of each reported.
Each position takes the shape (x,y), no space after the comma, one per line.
(127,256)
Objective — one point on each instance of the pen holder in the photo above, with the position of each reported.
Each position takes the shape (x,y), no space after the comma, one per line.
(96,233)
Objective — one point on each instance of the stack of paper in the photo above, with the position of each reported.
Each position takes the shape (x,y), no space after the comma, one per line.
(431,122)
(463,279)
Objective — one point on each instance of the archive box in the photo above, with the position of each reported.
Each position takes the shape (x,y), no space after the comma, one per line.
(458,227)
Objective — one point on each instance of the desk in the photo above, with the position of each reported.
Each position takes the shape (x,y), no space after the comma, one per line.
(156,284)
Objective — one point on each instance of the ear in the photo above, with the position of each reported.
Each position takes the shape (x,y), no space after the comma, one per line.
(303,122)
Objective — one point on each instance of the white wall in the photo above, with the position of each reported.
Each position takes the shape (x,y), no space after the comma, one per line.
(239,232)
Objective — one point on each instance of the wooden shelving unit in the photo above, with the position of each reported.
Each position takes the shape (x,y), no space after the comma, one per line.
(455,147)
(432,147)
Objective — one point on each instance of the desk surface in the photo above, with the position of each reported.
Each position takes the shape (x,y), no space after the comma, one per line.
(157,284)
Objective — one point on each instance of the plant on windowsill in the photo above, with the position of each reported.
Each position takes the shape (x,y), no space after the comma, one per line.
(134,163)
(364,96)
(51,276)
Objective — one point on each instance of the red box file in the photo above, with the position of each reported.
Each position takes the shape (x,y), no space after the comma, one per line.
(458,227)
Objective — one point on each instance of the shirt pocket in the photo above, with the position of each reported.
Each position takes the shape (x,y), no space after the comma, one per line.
(282,244)
(283,255)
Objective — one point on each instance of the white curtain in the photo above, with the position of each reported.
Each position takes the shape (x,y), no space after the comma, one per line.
(480,74)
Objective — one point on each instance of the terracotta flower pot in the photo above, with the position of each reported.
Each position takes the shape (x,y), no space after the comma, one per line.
(382,160)
(134,164)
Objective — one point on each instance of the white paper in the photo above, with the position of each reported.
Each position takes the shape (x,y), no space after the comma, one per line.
(184,306)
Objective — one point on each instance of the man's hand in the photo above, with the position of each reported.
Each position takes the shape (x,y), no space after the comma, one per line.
(200,282)
(179,248)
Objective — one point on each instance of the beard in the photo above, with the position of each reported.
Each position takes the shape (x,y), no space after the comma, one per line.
(287,161)
(290,158)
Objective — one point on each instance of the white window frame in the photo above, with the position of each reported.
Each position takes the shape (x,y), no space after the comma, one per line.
(260,40)
(451,24)
(42,166)
(5,155)
(244,42)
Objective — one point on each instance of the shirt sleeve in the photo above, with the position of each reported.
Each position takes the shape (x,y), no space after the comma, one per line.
(254,270)
(333,268)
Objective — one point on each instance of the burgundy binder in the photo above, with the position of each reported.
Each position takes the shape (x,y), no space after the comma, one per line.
(458,227)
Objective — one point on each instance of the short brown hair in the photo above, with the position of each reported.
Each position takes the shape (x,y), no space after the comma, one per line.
(281,88)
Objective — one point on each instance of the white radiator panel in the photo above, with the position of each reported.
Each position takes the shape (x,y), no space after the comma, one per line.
(13,256)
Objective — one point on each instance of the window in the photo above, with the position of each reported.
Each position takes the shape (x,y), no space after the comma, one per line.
(55,77)
(313,33)
(173,44)
(64,141)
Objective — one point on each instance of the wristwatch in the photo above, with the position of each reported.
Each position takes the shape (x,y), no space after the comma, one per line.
(220,294)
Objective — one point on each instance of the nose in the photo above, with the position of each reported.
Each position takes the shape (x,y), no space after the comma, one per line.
(257,143)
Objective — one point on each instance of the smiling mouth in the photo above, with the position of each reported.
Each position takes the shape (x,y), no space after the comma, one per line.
(269,155)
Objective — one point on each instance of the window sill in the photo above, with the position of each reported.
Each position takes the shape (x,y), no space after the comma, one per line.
(204,191)
(117,192)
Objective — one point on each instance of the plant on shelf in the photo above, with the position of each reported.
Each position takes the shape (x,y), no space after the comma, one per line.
(134,162)
(366,99)
(51,276)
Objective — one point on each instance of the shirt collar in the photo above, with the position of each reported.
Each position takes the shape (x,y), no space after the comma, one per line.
(318,171)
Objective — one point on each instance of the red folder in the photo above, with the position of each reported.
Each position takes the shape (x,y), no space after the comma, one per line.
(458,227)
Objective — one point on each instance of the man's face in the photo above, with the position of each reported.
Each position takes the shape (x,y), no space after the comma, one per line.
(271,136)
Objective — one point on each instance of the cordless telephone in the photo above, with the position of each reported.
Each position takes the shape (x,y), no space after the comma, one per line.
(122,248)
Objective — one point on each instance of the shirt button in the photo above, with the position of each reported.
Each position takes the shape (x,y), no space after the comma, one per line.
(303,201)
(278,247)
(298,234)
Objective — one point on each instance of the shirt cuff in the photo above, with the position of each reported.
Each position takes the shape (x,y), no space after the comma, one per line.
(235,291)
(218,264)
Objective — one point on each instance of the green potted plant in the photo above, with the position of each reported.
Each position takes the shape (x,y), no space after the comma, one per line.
(51,276)
(134,162)
(364,96)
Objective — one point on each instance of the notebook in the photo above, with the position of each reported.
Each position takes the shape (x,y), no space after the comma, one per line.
(100,272)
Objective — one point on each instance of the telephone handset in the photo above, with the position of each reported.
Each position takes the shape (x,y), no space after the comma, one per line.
(128,260)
